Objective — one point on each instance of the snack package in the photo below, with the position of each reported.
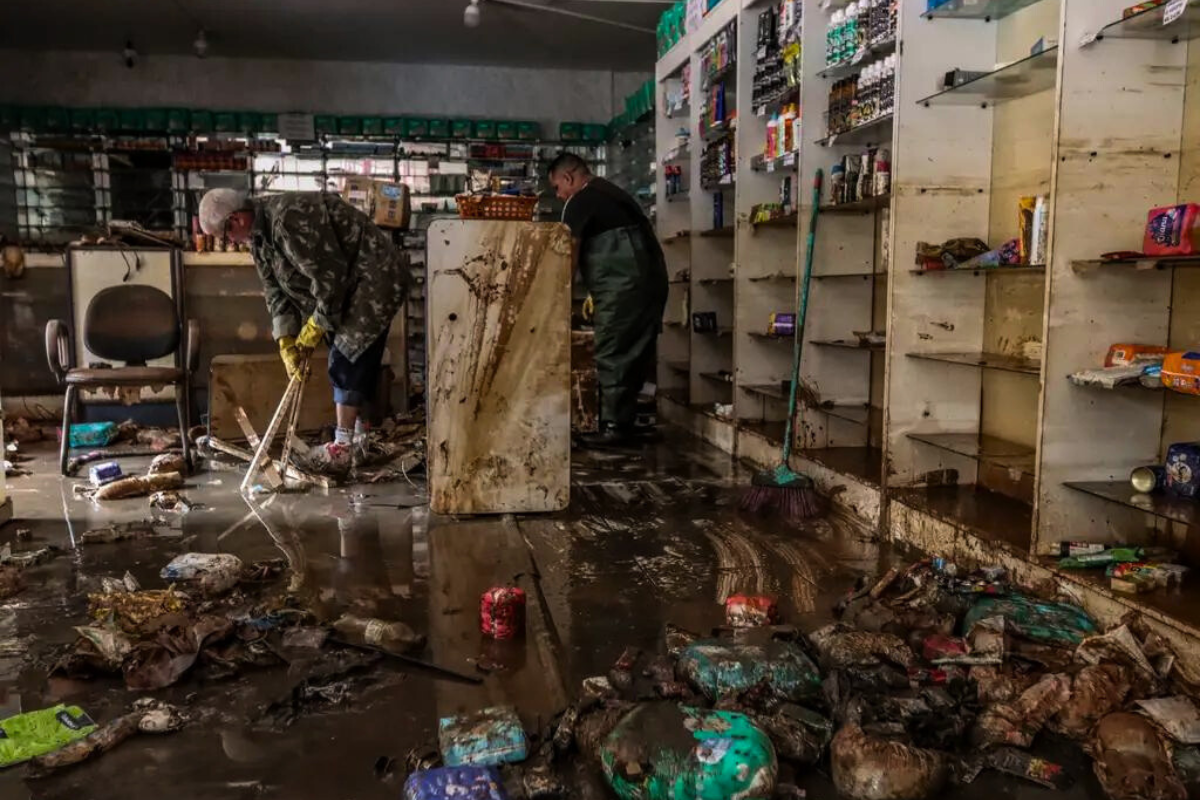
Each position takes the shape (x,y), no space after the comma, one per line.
(1122,355)
(1181,372)
(1171,230)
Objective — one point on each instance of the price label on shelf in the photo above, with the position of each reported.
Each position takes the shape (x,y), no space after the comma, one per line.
(1174,11)
(771,165)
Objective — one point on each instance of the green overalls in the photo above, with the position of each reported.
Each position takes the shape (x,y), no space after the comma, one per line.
(624,271)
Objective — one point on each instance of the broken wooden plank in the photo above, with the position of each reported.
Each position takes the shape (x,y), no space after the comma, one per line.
(269,471)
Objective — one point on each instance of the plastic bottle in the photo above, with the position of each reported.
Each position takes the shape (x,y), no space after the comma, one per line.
(883,173)
(850,37)
(833,38)
(394,637)
(772,132)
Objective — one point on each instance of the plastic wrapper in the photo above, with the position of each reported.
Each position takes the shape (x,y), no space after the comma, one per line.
(750,611)
(840,648)
(869,768)
(799,735)
(721,670)
(1053,623)
(489,737)
(1019,764)
(1178,716)
(1096,691)
(1018,721)
(1172,230)
(1131,762)
(25,736)
(455,783)
(663,751)
(213,573)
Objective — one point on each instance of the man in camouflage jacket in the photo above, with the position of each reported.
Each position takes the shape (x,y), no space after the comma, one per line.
(328,274)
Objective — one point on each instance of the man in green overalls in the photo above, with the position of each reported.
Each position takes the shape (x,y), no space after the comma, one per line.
(625,273)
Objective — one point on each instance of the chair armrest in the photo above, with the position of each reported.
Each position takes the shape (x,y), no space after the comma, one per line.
(192,346)
(58,354)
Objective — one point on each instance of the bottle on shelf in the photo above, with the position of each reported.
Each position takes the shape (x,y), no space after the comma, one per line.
(833,39)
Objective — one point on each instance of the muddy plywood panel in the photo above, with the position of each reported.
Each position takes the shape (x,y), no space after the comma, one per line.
(1121,107)
(498,398)
(257,383)
(26,303)
(228,303)
(585,385)
(1013,322)
(941,179)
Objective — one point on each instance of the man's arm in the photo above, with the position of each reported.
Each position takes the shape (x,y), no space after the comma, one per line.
(285,321)
(310,243)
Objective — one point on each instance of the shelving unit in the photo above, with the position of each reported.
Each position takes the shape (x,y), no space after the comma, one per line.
(963,427)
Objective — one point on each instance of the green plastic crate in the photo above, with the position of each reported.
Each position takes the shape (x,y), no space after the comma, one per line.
(10,118)
(108,120)
(529,130)
(349,126)
(249,121)
(393,126)
(461,128)
(200,121)
(485,129)
(416,126)
(439,128)
(179,120)
(131,119)
(595,133)
(372,126)
(506,130)
(570,131)
(325,124)
(268,122)
(156,120)
(33,118)
(225,122)
(58,119)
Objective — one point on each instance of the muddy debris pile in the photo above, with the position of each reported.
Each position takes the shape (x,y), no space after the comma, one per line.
(928,678)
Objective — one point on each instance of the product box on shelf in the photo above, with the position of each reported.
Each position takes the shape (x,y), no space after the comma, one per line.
(386,203)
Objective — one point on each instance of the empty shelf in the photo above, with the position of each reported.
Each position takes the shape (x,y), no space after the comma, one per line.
(1030,75)
(977,9)
(863,206)
(772,390)
(852,344)
(982,448)
(1149,25)
(718,377)
(987,514)
(1147,263)
(984,361)
(1159,504)
(718,233)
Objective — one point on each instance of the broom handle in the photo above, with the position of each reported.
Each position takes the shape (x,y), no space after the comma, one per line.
(801,314)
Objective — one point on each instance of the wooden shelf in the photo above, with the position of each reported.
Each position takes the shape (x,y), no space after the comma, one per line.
(863,463)
(1023,270)
(770,337)
(1030,75)
(678,366)
(772,431)
(717,332)
(863,275)
(864,206)
(984,361)
(1158,504)
(760,163)
(857,413)
(717,377)
(1147,263)
(714,281)
(987,514)
(775,276)
(982,448)
(847,344)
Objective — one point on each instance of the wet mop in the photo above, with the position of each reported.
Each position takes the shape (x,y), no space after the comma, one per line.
(782,489)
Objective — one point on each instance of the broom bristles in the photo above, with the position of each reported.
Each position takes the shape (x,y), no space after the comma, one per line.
(795,502)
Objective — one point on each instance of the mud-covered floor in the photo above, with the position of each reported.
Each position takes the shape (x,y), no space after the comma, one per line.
(649,539)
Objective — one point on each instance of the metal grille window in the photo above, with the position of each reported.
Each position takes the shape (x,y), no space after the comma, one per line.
(58,194)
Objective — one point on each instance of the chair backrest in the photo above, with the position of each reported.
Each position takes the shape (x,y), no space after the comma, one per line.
(131,323)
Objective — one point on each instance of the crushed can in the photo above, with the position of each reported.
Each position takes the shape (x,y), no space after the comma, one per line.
(502,612)
(750,611)
(103,473)
(455,783)
(486,738)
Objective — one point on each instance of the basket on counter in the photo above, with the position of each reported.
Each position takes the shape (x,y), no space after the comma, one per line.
(496,206)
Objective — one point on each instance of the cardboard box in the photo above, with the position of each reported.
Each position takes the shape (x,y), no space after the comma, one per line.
(387,204)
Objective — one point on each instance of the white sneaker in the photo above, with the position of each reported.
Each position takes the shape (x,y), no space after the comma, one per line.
(332,458)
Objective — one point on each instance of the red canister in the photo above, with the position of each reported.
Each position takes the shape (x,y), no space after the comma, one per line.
(750,611)
(502,612)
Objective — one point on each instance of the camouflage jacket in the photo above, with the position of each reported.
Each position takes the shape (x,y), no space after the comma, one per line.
(319,256)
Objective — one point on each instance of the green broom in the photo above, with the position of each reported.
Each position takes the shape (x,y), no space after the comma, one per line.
(782,489)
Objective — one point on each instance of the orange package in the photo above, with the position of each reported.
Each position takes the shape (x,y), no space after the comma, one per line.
(1181,372)
(1122,355)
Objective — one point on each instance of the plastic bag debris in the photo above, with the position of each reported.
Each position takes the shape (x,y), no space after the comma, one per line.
(34,733)
(1131,762)
(840,648)
(1119,645)
(117,532)
(1096,691)
(1017,722)
(136,612)
(486,738)
(1178,716)
(331,680)
(869,768)
(26,559)
(620,675)
(126,583)
(799,735)
(213,573)
(541,783)
(750,611)
(1020,764)
(306,637)
(162,662)
(455,783)
(663,751)
(1054,623)
(148,716)
(109,643)
(171,502)
(677,639)
(721,670)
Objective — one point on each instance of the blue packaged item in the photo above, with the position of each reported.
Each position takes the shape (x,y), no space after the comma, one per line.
(92,434)
(722,669)
(485,738)
(106,472)
(1183,469)
(454,783)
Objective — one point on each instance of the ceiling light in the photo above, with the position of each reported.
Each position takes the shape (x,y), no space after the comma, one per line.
(201,44)
(471,15)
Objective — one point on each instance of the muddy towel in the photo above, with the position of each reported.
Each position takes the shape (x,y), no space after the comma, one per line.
(1054,623)
(722,670)
(663,751)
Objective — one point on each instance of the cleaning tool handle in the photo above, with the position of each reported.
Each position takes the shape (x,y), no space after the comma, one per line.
(802,313)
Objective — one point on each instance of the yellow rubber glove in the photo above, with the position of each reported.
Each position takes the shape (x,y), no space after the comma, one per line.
(589,309)
(294,361)
(310,336)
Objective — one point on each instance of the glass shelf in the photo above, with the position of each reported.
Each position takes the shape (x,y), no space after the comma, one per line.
(678,366)
(771,390)
(848,344)
(1149,25)
(859,134)
(865,205)
(985,361)
(718,377)
(775,276)
(978,9)
(982,448)
(1147,263)
(1159,504)
(862,57)
(983,270)
(1030,75)
(857,413)
(718,233)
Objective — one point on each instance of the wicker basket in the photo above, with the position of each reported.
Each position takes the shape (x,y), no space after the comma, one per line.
(496,206)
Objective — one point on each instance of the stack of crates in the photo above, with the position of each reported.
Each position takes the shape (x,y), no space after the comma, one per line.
(672,25)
